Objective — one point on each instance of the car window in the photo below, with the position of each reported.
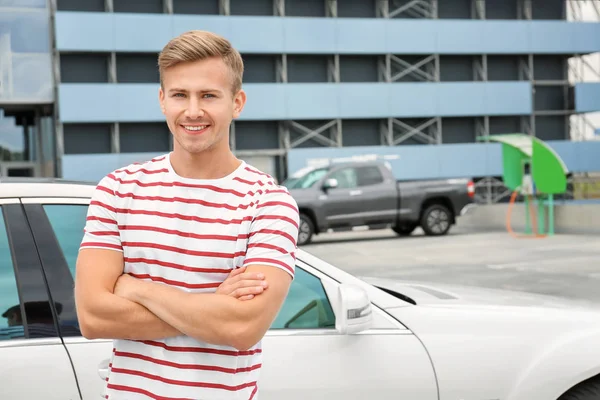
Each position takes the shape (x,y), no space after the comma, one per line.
(68,222)
(306,306)
(369,176)
(346,178)
(11,323)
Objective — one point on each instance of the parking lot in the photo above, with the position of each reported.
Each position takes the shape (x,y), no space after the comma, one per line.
(561,265)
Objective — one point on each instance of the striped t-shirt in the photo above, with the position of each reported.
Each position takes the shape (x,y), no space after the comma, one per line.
(189,233)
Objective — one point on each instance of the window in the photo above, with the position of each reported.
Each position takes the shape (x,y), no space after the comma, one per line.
(346,178)
(307,180)
(369,176)
(11,323)
(68,222)
(306,306)
(88,138)
(142,137)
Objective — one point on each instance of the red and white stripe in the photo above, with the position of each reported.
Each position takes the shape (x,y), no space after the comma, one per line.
(189,234)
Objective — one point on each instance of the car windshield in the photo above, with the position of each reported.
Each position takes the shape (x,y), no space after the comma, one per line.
(307,180)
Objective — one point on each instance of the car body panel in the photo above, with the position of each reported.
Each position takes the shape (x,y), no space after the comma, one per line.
(529,345)
(36,369)
(334,366)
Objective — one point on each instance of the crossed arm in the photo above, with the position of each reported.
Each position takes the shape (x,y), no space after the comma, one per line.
(111,305)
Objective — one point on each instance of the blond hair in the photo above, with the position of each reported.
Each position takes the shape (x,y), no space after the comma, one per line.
(199,45)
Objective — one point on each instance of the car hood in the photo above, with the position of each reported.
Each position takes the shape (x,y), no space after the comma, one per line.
(428,293)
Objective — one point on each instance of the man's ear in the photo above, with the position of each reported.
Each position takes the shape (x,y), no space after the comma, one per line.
(161,99)
(238,103)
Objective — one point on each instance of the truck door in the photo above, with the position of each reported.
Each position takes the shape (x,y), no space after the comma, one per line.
(342,205)
(379,196)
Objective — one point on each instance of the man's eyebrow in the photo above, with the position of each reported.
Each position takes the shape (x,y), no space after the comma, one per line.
(178,90)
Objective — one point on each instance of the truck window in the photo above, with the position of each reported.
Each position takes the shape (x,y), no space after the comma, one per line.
(346,178)
(369,176)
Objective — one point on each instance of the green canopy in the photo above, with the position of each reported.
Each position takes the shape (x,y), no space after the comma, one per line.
(548,170)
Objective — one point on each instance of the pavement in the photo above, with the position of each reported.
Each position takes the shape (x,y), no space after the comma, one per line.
(562,265)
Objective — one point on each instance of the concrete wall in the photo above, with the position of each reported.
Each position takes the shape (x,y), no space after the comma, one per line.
(571,217)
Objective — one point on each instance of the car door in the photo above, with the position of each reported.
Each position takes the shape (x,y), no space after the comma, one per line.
(378,196)
(35,364)
(58,230)
(342,204)
(306,358)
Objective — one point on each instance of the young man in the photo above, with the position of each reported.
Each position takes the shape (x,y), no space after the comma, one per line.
(187,258)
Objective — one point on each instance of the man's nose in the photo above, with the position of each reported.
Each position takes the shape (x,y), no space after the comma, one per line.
(194,109)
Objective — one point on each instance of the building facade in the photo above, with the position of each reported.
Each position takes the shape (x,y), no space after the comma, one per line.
(328,74)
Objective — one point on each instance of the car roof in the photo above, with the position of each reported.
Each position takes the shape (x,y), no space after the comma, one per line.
(45,187)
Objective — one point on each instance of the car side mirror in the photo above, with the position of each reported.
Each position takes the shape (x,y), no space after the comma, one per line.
(354,310)
(330,183)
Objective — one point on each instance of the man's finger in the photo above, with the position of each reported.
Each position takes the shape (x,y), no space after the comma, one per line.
(231,280)
(247,297)
(237,271)
(248,283)
(247,291)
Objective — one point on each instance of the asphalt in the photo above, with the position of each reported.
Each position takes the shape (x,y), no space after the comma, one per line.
(561,265)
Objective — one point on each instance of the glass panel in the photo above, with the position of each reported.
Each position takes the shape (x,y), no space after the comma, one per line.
(25,59)
(68,222)
(23,3)
(306,306)
(11,324)
(12,139)
(369,176)
(346,178)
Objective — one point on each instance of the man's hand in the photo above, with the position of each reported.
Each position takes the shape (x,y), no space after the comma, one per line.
(239,284)
(243,285)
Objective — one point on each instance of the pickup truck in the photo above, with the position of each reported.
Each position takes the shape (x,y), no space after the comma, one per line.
(341,196)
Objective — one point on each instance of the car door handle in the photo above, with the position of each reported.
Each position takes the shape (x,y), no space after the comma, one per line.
(355,192)
(103,369)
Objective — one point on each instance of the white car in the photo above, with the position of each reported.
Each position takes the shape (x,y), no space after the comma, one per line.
(337,336)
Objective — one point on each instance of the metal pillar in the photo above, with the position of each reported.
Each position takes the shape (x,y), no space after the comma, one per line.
(224,7)
(279,8)
(331,8)
(524,9)
(168,6)
(478,9)
(59,146)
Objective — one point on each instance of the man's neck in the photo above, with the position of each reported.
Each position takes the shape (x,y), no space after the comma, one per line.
(208,165)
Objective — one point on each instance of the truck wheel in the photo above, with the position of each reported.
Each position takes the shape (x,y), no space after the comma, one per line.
(306,230)
(586,390)
(404,230)
(436,220)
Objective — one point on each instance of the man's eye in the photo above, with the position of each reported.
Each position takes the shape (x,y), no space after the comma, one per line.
(209,95)
(178,95)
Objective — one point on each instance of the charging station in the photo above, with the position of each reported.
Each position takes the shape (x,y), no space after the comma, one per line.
(532,169)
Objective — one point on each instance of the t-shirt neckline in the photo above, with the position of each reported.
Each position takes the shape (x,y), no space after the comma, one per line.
(180,178)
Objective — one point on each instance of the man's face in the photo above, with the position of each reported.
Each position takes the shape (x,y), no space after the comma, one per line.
(198,103)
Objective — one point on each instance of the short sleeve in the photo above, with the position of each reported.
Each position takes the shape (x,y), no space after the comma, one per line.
(273,233)
(101,228)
